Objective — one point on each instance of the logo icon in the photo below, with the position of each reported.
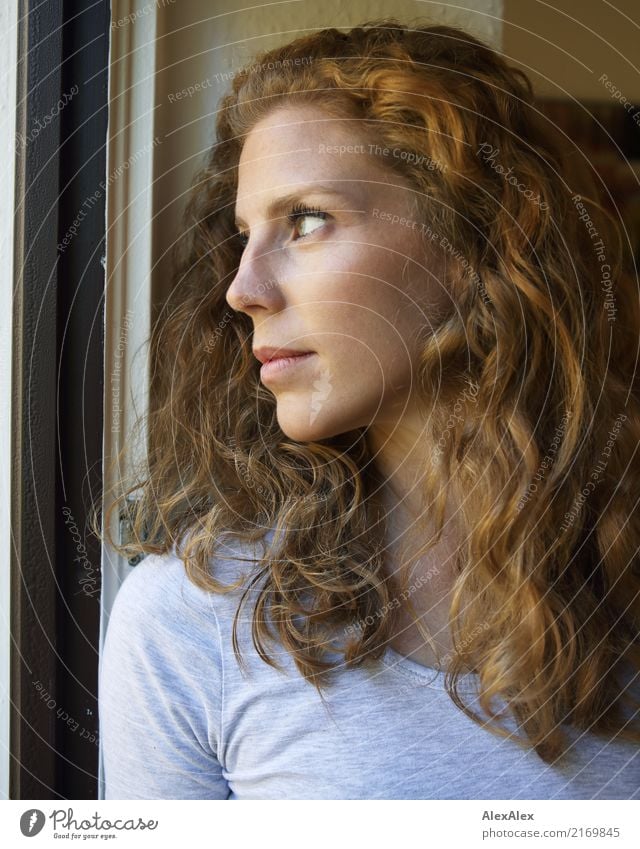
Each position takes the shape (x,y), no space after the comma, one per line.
(32,822)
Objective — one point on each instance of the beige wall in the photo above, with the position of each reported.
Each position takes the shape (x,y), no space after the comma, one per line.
(567,45)
(202,43)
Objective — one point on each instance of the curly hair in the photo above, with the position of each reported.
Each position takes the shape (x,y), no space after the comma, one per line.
(542,459)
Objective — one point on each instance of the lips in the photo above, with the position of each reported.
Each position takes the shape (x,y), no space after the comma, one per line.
(282,368)
(266,354)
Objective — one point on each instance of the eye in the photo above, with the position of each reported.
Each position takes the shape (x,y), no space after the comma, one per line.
(297,217)
(300,213)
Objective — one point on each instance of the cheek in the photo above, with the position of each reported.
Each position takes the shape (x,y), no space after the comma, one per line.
(363,326)
(359,305)
(368,350)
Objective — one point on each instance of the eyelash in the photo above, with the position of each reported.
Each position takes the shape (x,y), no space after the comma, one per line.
(297,211)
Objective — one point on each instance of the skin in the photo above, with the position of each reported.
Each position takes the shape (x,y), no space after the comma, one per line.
(360,292)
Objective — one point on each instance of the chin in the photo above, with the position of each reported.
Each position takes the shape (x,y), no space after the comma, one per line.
(304,428)
(313,422)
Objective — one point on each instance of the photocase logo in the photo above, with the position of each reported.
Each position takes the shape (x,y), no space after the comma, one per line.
(32,822)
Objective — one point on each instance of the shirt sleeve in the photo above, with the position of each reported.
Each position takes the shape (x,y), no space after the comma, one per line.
(160,688)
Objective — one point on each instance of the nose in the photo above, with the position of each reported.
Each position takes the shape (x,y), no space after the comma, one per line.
(255,282)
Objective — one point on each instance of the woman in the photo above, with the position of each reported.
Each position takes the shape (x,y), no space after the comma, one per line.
(392,452)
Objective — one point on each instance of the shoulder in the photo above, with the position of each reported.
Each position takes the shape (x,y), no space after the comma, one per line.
(162,680)
(156,585)
(157,597)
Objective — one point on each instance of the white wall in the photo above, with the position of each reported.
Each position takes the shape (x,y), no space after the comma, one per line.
(8,63)
(129,217)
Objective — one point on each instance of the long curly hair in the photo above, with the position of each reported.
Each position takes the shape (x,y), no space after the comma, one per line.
(532,378)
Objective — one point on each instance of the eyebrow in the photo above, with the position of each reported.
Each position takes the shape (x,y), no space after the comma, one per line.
(284,202)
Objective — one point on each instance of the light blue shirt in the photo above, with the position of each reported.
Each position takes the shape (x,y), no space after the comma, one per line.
(180,720)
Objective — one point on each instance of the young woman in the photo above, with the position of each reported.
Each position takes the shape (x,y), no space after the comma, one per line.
(388,508)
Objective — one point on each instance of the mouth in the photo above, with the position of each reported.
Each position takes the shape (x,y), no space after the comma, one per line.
(282,366)
(268,354)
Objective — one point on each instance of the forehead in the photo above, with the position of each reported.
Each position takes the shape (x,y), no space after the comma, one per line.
(296,145)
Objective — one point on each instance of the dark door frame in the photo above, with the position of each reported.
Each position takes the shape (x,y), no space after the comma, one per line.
(57,396)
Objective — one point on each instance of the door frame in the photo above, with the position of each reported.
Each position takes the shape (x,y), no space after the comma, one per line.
(57,397)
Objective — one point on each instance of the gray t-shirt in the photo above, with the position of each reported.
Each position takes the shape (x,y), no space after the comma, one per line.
(180,720)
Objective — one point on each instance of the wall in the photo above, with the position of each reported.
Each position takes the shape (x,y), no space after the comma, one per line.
(566,46)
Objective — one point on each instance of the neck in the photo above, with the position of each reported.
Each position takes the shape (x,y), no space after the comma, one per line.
(411,555)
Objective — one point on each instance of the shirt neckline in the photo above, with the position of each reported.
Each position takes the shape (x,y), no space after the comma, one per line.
(427,675)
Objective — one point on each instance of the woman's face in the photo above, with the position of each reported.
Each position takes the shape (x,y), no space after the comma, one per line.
(348,281)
